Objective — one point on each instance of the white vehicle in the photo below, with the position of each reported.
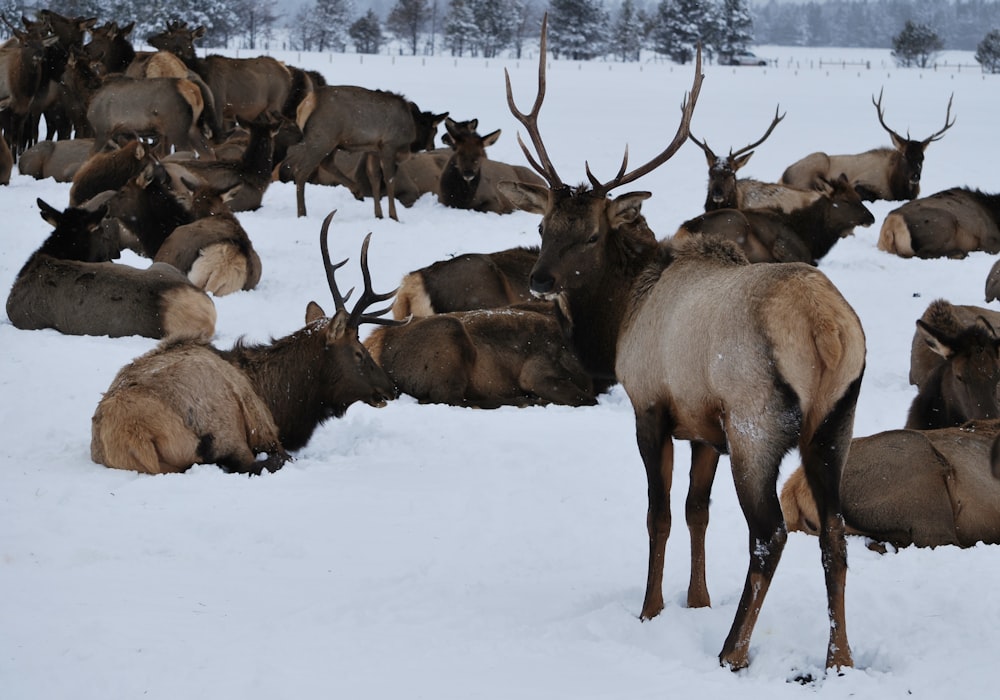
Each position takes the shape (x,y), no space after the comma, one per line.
(746,58)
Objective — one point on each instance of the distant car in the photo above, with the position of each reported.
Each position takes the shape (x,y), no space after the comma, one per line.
(746,58)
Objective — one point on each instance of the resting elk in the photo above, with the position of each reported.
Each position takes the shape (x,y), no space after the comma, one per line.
(800,235)
(955,363)
(881,173)
(925,488)
(188,403)
(951,223)
(466,282)
(69,284)
(56,159)
(630,307)
(381,124)
(108,169)
(510,356)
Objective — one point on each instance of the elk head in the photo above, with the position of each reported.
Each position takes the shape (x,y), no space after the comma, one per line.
(904,178)
(722,171)
(348,373)
(469,148)
(178,39)
(846,209)
(582,226)
(78,234)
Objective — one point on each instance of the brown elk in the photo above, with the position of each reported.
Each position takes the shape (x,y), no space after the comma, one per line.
(69,285)
(24,75)
(6,157)
(512,356)
(108,169)
(924,488)
(951,223)
(188,403)
(469,178)
(382,124)
(466,282)
(59,160)
(726,191)
(800,235)
(881,173)
(962,384)
(630,307)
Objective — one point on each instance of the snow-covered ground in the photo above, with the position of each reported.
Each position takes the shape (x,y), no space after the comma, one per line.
(437,552)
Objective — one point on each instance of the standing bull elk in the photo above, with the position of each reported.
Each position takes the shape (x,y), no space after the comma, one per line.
(914,487)
(752,360)
(951,223)
(188,403)
(881,173)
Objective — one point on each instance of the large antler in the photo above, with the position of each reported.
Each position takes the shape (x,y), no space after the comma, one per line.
(947,125)
(933,137)
(357,315)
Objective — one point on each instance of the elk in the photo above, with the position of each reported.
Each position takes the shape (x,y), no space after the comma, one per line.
(24,74)
(725,191)
(382,124)
(59,160)
(962,384)
(510,356)
(469,178)
(881,173)
(6,157)
(69,284)
(801,235)
(188,402)
(108,169)
(950,223)
(630,307)
(924,488)
(466,282)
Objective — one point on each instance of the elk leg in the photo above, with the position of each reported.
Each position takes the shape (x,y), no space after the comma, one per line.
(375,178)
(704,462)
(657,451)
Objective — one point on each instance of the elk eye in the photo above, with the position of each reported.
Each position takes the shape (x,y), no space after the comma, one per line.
(593,239)
(540,233)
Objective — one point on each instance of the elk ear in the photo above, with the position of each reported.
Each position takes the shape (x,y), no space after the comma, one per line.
(50,214)
(314,312)
(338,326)
(626,208)
(898,141)
(198,33)
(936,341)
(491,138)
(447,140)
(741,161)
(525,196)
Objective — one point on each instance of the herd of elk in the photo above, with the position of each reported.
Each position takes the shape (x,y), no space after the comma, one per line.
(187,402)
(69,284)
(633,305)
(951,223)
(925,488)
(881,173)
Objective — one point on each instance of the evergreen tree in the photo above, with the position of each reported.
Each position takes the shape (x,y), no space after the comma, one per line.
(496,21)
(460,31)
(736,33)
(331,19)
(577,28)
(627,32)
(406,20)
(988,52)
(678,28)
(366,33)
(916,44)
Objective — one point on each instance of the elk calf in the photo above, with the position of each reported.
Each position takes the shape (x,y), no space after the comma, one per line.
(67,285)
(951,223)
(188,403)
(925,488)
(512,356)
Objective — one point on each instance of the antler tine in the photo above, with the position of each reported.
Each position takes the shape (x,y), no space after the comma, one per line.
(543,165)
(881,115)
(338,299)
(762,139)
(947,125)
(683,130)
(703,145)
(369,297)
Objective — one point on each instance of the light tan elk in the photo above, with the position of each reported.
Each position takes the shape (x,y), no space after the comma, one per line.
(510,356)
(188,403)
(726,191)
(881,173)
(69,284)
(800,235)
(466,282)
(961,383)
(658,319)
(914,487)
(951,223)
(381,124)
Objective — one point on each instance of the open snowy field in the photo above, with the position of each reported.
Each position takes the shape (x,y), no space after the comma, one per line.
(420,551)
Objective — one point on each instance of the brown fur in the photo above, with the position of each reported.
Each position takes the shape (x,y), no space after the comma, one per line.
(108,169)
(59,160)
(951,223)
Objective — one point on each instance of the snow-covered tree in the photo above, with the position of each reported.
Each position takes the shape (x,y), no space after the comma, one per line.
(460,31)
(496,21)
(366,33)
(627,32)
(917,44)
(331,19)
(988,52)
(578,29)
(736,27)
(406,20)
(678,28)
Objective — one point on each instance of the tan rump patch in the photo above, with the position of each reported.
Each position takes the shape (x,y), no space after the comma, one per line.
(894,237)
(187,313)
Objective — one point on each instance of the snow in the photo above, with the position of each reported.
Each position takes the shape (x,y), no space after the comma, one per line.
(438,552)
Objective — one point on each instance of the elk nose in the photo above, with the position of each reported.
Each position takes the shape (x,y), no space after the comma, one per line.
(542,282)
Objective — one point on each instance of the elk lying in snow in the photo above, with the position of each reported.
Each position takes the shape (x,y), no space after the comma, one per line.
(950,223)
(914,487)
(68,285)
(384,125)
(56,159)
(801,235)
(955,363)
(108,169)
(632,306)
(188,403)
(510,356)
(881,173)
(466,282)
